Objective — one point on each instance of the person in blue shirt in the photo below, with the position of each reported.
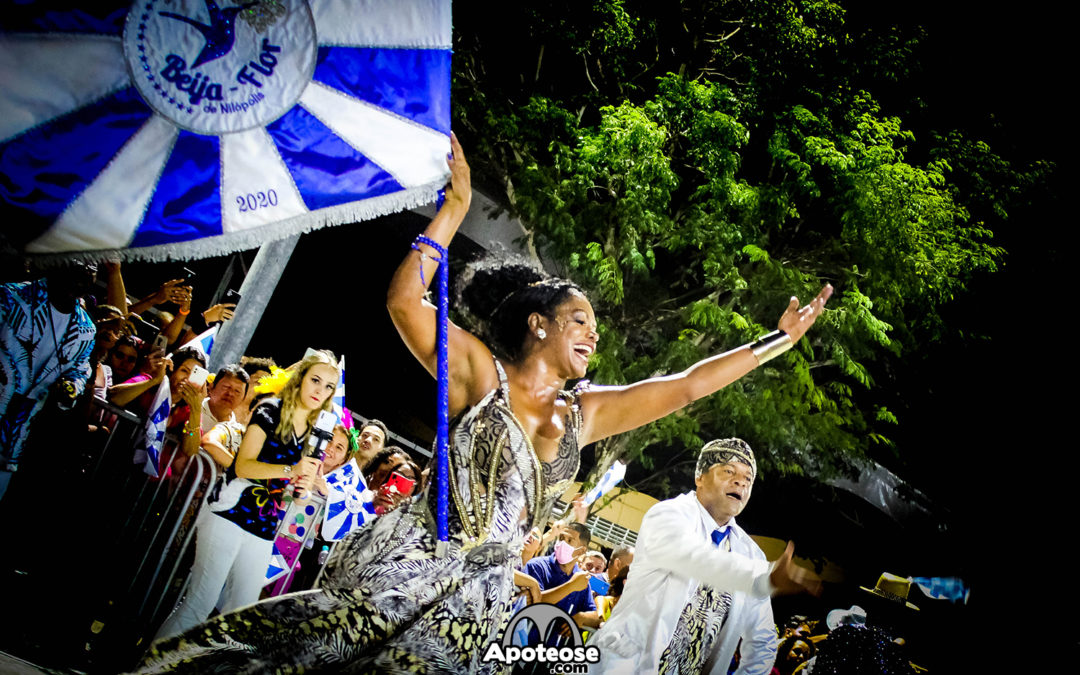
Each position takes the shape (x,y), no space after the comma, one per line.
(562,582)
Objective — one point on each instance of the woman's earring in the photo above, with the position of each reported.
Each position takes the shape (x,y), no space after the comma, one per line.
(541,333)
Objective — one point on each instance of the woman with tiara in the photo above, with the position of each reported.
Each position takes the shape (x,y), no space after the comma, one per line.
(389,601)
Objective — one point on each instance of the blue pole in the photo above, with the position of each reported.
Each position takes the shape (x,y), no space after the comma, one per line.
(442,429)
(442,404)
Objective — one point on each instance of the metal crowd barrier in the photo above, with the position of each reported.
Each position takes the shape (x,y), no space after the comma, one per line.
(151,532)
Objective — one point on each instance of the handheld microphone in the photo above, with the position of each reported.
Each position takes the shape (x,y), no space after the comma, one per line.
(320,436)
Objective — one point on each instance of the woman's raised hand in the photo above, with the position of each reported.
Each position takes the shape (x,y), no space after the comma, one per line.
(219,312)
(192,394)
(158,363)
(460,190)
(795,322)
(166,292)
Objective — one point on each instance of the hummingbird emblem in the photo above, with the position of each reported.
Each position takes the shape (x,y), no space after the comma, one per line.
(219,35)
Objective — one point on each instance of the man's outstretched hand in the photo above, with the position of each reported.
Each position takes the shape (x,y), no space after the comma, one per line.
(787,577)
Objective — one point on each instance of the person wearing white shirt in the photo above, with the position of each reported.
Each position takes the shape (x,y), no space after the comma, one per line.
(226,394)
(699,584)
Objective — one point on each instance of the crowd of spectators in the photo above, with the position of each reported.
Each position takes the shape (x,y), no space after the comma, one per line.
(78,359)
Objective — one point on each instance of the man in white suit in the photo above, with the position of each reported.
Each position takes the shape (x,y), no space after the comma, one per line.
(699,583)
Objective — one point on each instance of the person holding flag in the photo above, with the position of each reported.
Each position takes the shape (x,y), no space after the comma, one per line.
(391,598)
(172,403)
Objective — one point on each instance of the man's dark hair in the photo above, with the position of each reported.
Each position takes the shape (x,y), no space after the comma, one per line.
(584,535)
(379,425)
(253,364)
(795,620)
(233,370)
(381,457)
(185,353)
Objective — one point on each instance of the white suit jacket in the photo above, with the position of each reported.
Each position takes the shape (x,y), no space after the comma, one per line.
(675,554)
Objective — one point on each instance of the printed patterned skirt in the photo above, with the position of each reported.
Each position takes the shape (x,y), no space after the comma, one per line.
(387,605)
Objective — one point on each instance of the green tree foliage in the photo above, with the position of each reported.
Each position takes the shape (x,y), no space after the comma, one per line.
(694,165)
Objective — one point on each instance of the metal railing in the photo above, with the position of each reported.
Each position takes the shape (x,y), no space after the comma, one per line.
(602,530)
(142,534)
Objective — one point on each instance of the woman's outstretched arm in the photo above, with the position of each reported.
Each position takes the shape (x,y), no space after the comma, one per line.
(470,367)
(614,410)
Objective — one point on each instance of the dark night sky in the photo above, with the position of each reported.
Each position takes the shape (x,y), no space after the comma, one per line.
(988,439)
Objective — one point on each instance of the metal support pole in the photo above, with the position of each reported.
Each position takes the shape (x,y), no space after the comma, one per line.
(259,284)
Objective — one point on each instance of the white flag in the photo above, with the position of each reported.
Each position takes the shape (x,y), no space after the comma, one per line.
(204,341)
(148,449)
(609,480)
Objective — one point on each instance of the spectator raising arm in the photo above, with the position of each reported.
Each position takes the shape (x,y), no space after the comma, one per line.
(115,293)
(587,619)
(122,394)
(223,311)
(169,291)
(579,508)
(182,295)
(249,466)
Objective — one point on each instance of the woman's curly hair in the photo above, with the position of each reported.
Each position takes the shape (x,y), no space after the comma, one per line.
(500,294)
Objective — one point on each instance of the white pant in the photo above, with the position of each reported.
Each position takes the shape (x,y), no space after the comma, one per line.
(230,564)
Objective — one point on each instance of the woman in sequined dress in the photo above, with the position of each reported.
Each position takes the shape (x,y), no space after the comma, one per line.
(388,602)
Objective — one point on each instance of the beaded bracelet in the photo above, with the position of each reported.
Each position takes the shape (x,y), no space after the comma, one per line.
(428,241)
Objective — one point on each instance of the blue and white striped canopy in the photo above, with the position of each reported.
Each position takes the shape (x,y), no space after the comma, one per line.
(188,128)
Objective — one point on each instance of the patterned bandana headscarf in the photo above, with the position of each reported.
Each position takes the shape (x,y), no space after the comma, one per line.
(723,451)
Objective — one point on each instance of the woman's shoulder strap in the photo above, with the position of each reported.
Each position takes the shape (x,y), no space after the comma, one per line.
(503,382)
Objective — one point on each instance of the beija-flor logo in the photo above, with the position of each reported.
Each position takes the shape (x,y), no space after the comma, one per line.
(571,658)
(216,68)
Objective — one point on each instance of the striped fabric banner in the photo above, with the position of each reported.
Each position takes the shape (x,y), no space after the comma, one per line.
(177,129)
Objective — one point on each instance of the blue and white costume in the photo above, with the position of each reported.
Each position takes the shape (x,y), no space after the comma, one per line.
(38,346)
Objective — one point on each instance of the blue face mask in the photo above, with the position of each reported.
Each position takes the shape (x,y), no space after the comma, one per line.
(564,552)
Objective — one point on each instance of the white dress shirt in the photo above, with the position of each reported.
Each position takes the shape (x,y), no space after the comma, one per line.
(675,554)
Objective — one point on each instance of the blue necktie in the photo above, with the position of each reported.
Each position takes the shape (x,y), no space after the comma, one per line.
(718,535)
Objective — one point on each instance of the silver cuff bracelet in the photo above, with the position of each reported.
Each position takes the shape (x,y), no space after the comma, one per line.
(771,345)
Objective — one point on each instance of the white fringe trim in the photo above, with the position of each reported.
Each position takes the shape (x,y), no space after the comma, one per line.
(254,237)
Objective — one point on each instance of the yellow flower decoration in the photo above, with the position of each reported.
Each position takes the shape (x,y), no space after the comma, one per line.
(274,382)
